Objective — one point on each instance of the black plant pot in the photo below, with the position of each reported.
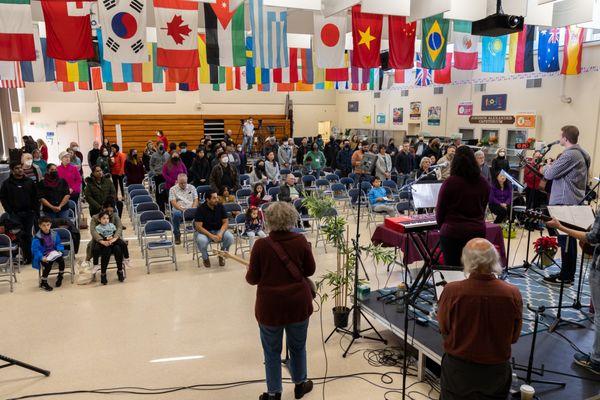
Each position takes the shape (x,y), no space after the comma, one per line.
(340,316)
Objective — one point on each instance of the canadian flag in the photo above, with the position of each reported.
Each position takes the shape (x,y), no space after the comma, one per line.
(330,40)
(177,33)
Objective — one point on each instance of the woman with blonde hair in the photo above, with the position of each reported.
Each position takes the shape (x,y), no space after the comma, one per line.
(43,148)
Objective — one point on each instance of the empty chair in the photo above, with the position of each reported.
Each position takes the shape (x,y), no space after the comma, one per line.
(133,187)
(297,174)
(138,192)
(242,195)
(202,190)
(274,192)
(7,267)
(244,180)
(308,182)
(332,178)
(140,208)
(340,194)
(74,212)
(232,209)
(158,237)
(320,237)
(145,217)
(188,228)
(366,186)
(322,184)
(348,182)
(242,242)
(284,171)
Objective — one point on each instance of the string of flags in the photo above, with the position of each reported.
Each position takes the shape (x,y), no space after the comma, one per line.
(226,57)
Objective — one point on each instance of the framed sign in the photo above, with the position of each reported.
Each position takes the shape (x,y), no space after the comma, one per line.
(492,119)
(493,102)
(525,120)
(465,108)
(353,106)
(380,118)
(415,110)
(434,115)
(397,115)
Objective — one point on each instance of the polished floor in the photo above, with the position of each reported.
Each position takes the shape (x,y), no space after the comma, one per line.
(123,334)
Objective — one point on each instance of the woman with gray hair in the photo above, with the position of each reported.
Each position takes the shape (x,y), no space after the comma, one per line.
(280,265)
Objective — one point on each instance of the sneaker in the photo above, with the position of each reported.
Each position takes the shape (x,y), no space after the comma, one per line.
(206,263)
(177,239)
(59,280)
(44,285)
(221,261)
(267,396)
(303,388)
(586,362)
(555,280)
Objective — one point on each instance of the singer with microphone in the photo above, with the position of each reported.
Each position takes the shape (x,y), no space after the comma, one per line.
(426,172)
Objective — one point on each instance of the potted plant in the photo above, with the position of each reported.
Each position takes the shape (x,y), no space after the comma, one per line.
(546,247)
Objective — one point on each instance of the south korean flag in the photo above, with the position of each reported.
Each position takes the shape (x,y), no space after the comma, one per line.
(124,30)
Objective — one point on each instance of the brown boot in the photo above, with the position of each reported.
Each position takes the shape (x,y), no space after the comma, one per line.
(206,263)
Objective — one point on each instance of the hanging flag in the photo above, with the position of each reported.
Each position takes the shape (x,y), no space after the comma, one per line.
(288,74)
(329,40)
(399,76)
(422,75)
(116,86)
(269,32)
(10,75)
(572,50)
(548,49)
(124,26)
(402,42)
(111,72)
(42,69)
(366,38)
(177,33)
(225,33)
(307,66)
(68,29)
(72,71)
(96,78)
(493,53)
(444,76)
(16,31)
(359,77)
(318,73)
(435,39)
(337,74)
(465,46)
(520,53)
(151,73)
(205,71)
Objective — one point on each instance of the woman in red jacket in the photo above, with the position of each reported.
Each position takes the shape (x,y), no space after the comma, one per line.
(283,298)
(117,169)
(43,149)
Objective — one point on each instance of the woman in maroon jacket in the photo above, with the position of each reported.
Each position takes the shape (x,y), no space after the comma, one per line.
(279,265)
(134,168)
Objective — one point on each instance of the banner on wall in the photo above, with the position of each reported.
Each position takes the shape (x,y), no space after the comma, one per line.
(465,108)
(492,119)
(493,102)
(525,121)
(434,115)
(397,116)
(366,119)
(415,110)
(380,118)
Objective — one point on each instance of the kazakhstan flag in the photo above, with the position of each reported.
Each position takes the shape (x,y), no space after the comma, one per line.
(435,39)
(493,53)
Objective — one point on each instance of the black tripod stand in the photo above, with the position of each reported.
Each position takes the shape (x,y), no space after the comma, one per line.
(11,361)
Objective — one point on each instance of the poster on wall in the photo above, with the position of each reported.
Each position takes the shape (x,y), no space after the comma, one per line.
(525,121)
(398,115)
(353,106)
(465,108)
(366,119)
(434,115)
(415,110)
(493,102)
(380,118)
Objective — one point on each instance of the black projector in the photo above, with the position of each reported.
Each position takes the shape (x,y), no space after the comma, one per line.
(497,25)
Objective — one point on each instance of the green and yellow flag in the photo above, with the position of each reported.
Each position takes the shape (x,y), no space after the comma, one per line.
(434,41)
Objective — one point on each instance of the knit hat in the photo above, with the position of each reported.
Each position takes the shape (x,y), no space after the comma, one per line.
(63,154)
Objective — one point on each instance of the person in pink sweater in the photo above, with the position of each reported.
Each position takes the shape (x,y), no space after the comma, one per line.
(69,173)
(172,169)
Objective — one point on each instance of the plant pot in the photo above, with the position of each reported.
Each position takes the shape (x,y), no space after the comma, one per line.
(547,258)
(340,316)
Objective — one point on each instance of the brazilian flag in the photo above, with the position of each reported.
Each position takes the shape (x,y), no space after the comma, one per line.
(434,41)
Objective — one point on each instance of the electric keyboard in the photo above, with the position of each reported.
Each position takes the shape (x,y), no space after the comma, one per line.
(412,223)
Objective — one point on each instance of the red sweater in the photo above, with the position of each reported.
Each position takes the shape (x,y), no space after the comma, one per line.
(280,300)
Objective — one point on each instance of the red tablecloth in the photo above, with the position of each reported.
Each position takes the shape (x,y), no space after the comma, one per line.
(390,238)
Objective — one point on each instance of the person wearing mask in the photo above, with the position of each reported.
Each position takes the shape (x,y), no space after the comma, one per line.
(75,147)
(461,206)
(500,199)
(172,169)
(172,147)
(447,161)
(285,155)
(148,151)
(181,197)
(358,156)
(279,265)
(480,318)
(272,170)
(302,150)
(420,148)
(224,174)
(93,154)
(19,198)
(200,171)
(344,159)
(217,158)
(117,169)
(270,145)
(248,139)
(317,160)
(30,170)
(383,165)
(499,163)
(157,162)
(241,154)
(187,157)
(392,150)
(98,188)
(69,173)
(212,226)
(433,149)
(103,161)
(534,182)
(106,143)
(162,138)
(486,172)
(39,161)
(134,170)
(378,198)
(405,160)
(259,173)
(330,151)
(425,173)
(54,195)
(43,148)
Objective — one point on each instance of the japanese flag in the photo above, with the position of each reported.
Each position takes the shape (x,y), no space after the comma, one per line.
(329,40)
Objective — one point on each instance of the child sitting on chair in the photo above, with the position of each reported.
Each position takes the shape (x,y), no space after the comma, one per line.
(225,196)
(254,225)
(47,249)
(107,245)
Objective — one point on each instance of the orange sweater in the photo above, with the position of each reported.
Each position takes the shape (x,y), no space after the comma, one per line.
(118,164)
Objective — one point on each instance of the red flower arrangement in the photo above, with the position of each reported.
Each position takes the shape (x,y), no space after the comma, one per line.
(546,244)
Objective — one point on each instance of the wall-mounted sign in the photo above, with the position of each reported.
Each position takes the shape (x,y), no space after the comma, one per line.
(465,108)
(353,106)
(398,115)
(366,119)
(492,119)
(493,102)
(415,110)
(434,115)
(36,109)
(525,120)
(380,118)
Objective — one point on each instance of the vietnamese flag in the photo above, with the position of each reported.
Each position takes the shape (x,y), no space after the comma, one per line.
(444,76)
(402,42)
(366,38)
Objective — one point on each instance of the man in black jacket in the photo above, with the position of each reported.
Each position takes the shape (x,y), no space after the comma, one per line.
(405,160)
(344,159)
(331,151)
(288,191)
(19,198)
(302,150)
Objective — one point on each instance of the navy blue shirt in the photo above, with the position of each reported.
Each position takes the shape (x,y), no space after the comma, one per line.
(211,218)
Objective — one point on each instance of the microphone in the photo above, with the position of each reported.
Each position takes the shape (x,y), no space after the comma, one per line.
(551,144)
(442,165)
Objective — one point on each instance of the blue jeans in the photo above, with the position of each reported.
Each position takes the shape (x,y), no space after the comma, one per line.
(247,144)
(203,241)
(594,280)
(271,339)
(64,214)
(176,218)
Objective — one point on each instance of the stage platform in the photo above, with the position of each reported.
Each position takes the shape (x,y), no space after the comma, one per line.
(551,350)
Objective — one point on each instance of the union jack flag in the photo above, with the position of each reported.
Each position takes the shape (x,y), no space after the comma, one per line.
(554,35)
(422,75)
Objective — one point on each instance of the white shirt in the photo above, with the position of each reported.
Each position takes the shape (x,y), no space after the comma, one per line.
(183,197)
(248,129)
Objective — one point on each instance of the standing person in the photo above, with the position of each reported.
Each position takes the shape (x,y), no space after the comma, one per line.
(344,159)
(43,148)
(499,163)
(117,169)
(358,156)
(461,206)
(331,150)
(75,147)
(569,175)
(317,160)
(383,165)
(355,142)
(103,161)
(285,155)
(19,198)
(134,170)
(93,154)
(319,141)
(53,193)
(420,148)
(44,244)
(39,161)
(241,155)
(200,171)
(433,149)
(106,143)
(279,265)
(248,138)
(212,225)
(405,160)
(534,182)
(30,170)
(501,199)
(392,150)
(172,169)
(162,138)
(181,197)
(480,318)
(98,189)
(447,161)
(157,162)
(486,172)
(270,145)
(302,150)
(224,174)
(69,173)
(234,158)
(148,151)
(272,170)
(186,156)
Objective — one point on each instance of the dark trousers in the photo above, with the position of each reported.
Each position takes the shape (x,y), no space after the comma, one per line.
(47,266)
(161,196)
(104,252)
(500,212)
(452,248)
(535,198)
(97,250)
(118,183)
(26,219)
(465,380)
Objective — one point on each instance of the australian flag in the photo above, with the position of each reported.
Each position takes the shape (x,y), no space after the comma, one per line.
(422,75)
(548,49)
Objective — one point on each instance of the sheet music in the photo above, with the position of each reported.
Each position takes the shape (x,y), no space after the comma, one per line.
(425,195)
(581,216)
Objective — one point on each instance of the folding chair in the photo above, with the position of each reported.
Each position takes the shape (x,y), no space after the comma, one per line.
(274,192)
(158,236)
(146,217)
(7,267)
(308,182)
(322,186)
(242,242)
(202,190)
(68,254)
(332,178)
(74,212)
(348,182)
(188,228)
(340,195)
(242,195)
(230,209)
(302,214)
(139,200)
(244,180)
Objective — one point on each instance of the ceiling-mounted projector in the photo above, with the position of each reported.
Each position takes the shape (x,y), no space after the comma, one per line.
(498,24)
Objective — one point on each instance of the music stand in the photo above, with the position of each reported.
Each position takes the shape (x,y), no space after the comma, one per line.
(425,195)
(520,188)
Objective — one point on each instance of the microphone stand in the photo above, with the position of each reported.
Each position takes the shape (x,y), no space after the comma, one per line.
(11,361)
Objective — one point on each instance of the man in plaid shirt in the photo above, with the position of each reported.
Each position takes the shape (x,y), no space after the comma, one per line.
(589,361)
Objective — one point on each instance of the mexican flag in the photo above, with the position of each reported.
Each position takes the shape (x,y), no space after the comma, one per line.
(465,46)
(225,37)
(16,31)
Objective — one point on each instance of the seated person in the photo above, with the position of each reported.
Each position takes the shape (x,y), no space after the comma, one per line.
(181,197)
(109,207)
(479,318)
(108,243)
(500,198)
(258,196)
(211,224)
(254,225)
(378,199)
(288,191)
(44,246)
(425,169)
(54,194)
(225,196)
